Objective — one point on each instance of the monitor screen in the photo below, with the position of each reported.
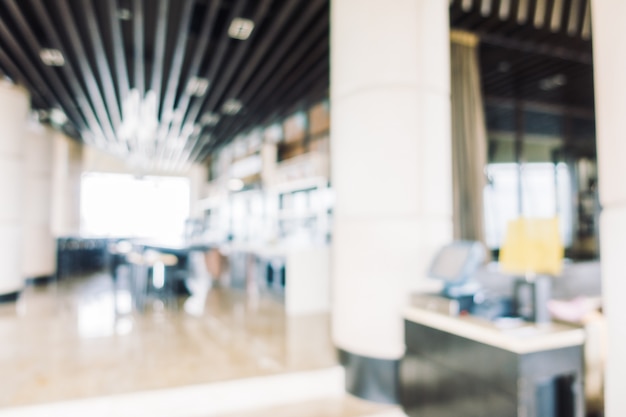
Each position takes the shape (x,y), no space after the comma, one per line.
(456,262)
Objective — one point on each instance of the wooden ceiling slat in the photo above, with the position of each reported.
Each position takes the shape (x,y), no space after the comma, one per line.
(26,66)
(573,23)
(294,87)
(201,47)
(585,31)
(102,65)
(119,54)
(49,74)
(282,50)
(138,48)
(523,11)
(193,70)
(260,51)
(71,75)
(88,76)
(288,65)
(504,13)
(159,48)
(216,62)
(557,16)
(176,67)
(228,72)
(18,76)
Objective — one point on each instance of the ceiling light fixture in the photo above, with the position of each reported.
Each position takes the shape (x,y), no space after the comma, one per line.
(124,14)
(197,86)
(57,117)
(553,82)
(209,119)
(52,57)
(240,28)
(232,106)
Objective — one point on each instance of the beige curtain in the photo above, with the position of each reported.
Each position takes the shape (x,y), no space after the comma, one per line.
(469,137)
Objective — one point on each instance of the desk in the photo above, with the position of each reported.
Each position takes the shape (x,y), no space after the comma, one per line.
(464,366)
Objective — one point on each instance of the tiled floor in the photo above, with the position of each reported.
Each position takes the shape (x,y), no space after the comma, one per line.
(332,407)
(65,341)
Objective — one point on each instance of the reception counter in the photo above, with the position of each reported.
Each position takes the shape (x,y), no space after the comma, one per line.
(472,367)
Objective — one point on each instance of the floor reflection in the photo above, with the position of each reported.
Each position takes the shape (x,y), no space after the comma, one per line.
(80,338)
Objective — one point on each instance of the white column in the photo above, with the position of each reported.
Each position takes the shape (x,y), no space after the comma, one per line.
(38,256)
(610,101)
(14,106)
(67,168)
(391,163)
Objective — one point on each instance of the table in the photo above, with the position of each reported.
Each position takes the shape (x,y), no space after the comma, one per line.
(464,366)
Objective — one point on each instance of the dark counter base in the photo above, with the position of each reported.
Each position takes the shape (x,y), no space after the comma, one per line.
(9,297)
(370,378)
(41,280)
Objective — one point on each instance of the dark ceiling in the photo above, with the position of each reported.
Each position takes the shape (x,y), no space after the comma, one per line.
(534,50)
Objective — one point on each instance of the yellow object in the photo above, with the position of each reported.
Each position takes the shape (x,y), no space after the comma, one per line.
(532,246)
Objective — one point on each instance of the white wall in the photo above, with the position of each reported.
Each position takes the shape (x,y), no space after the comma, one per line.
(391,163)
(14,106)
(610,102)
(38,256)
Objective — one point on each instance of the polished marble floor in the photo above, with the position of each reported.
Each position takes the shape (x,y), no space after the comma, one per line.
(66,341)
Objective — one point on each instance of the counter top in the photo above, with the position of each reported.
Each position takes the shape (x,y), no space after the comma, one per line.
(507,334)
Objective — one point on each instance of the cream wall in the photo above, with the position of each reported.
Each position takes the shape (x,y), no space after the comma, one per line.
(610,104)
(66,173)
(38,256)
(391,163)
(14,107)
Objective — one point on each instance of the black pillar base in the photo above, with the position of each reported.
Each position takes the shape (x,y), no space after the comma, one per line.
(371,378)
(41,280)
(9,297)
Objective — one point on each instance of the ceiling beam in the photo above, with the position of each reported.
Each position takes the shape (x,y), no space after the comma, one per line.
(93,89)
(103,66)
(119,53)
(138,48)
(159,48)
(269,40)
(16,74)
(216,62)
(169,99)
(228,72)
(50,77)
(268,69)
(318,35)
(201,48)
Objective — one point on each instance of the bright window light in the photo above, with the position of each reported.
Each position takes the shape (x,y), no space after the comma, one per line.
(127,206)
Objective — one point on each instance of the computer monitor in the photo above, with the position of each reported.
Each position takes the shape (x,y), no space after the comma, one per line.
(456,262)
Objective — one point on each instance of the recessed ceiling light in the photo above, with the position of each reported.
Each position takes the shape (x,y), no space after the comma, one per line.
(124,14)
(57,117)
(240,28)
(52,57)
(550,83)
(209,119)
(231,106)
(197,86)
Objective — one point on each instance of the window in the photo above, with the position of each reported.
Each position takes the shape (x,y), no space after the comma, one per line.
(526,178)
(128,206)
